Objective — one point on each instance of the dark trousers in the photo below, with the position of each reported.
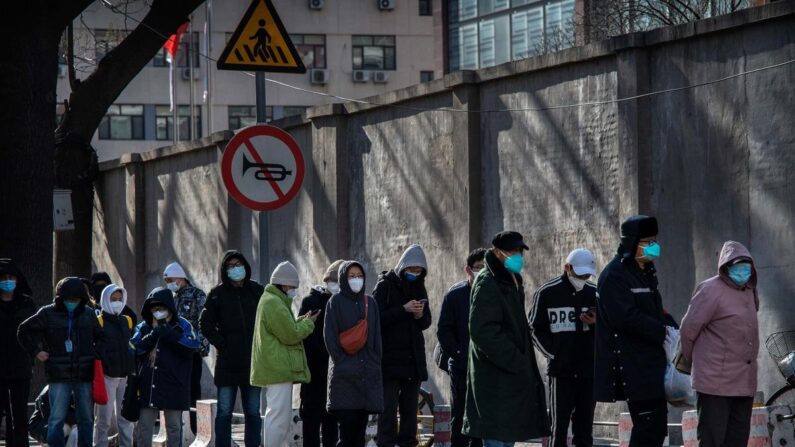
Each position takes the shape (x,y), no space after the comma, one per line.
(353,428)
(458,390)
(313,419)
(195,387)
(403,396)
(571,400)
(724,421)
(649,422)
(14,396)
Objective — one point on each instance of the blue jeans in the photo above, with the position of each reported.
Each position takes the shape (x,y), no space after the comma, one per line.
(250,396)
(495,443)
(60,399)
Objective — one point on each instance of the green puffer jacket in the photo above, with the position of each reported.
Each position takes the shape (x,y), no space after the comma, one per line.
(277,354)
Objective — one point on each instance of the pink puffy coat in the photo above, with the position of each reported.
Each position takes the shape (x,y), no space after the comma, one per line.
(720,332)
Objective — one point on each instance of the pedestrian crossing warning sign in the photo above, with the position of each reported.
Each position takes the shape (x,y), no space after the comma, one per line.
(260,43)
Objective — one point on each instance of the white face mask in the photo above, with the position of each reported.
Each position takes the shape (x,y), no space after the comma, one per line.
(116,307)
(333,287)
(356,284)
(173,286)
(577,282)
(292,293)
(160,314)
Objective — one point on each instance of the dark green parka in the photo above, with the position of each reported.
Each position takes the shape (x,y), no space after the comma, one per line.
(505,393)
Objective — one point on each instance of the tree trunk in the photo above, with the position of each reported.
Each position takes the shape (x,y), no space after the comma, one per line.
(75,166)
(27,119)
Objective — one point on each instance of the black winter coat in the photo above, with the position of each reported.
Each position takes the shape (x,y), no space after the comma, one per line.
(228,321)
(453,327)
(16,362)
(401,334)
(48,330)
(313,394)
(630,358)
(165,381)
(558,332)
(117,358)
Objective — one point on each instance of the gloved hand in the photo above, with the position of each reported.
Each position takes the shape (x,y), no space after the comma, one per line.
(161,329)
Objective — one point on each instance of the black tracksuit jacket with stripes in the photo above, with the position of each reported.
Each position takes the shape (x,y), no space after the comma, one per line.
(558,333)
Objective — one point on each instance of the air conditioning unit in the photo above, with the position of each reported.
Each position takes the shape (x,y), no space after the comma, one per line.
(386,5)
(361,75)
(318,76)
(185,73)
(380,77)
(316,4)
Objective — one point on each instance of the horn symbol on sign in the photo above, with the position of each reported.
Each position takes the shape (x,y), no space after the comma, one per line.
(277,172)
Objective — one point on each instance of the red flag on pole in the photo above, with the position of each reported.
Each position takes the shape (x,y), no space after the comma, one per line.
(172,44)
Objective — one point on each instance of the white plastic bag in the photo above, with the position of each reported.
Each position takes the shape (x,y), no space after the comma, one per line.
(678,386)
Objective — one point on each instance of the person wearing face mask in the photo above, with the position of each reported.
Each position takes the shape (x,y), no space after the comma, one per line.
(453,334)
(96,284)
(67,338)
(505,400)
(277,355)
(118,362)
(228,321)
(313,394)
(352,332)
(403,303)
(164,344)
(720,334)
(16,306)
(190,302)
(562,321)
(630,331)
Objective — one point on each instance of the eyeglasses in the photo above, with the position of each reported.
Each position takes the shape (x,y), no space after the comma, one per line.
(234,264)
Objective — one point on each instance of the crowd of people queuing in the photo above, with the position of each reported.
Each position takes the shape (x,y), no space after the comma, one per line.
(356,354)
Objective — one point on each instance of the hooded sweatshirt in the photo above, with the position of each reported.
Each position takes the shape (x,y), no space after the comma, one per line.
(165,355)
(16,364)
(401,333)
(227,322)
(720,331)
(354,381)
(117,359)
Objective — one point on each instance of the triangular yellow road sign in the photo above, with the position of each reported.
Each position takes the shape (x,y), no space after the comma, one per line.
(260,43)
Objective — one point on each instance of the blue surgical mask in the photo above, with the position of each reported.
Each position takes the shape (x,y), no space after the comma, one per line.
(8,286)
(237,273)
(410,277)
(740,273)
(514,263)
(651,251)
(70,305)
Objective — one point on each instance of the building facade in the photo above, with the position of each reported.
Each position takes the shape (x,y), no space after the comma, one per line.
(351,48)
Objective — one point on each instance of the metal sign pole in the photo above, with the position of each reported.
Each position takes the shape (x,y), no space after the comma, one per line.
(264,255)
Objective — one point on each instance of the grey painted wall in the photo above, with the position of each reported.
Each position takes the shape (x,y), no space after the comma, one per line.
(712,163)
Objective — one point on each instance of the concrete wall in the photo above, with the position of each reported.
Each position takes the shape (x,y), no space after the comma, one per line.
(711,162)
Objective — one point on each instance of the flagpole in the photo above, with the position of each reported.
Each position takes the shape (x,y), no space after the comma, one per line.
(192,127)
(208,72)
(174,104)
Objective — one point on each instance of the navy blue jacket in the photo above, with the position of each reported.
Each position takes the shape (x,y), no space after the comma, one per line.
(629,356)
(453,327)
(164,382)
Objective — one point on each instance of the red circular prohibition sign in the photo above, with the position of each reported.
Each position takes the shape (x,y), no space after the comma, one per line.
(242,140)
